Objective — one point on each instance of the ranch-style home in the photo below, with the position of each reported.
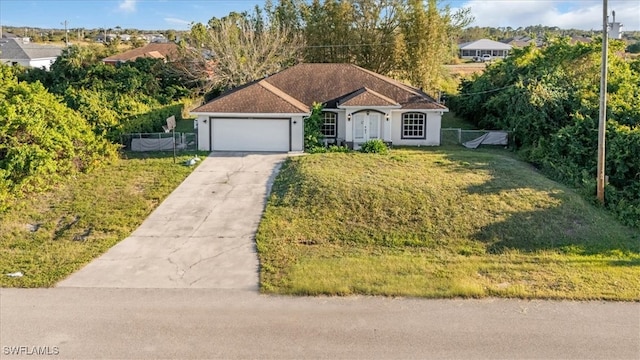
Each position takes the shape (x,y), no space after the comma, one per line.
(481,47)
(359,105)
(21,51)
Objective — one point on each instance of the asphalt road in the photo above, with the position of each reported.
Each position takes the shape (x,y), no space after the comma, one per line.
(93,323)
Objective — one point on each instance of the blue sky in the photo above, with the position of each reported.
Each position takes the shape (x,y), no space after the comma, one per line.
(178,14)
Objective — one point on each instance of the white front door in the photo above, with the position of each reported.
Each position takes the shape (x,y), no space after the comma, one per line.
(366,126)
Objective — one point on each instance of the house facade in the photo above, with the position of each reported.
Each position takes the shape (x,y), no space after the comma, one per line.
(481,47)
(21,51)
(358,105)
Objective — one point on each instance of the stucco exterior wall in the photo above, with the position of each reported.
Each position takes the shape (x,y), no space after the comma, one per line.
(203,133)
(297,133)
(434,123)
(42,63)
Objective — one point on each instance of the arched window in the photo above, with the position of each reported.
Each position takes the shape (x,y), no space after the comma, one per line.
(330,124)
(414,125)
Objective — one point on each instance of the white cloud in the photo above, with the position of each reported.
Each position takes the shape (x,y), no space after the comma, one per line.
(128,6)
(176,21)
(585,14)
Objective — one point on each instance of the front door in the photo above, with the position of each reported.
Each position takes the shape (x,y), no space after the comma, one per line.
(366,126)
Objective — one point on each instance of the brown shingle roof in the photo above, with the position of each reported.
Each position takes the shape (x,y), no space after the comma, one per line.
(153,50)
(257,97)
(366,97)
(324,83)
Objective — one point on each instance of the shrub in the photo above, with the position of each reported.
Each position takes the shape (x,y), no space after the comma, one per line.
(329,149)
(41,140)
(376,146)
(312,133)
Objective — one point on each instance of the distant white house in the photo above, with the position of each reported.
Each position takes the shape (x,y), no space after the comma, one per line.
(155,38)
(480,47)
(106,37)
(20,51)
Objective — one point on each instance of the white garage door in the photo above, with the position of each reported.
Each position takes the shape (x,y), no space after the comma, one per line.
(250,134)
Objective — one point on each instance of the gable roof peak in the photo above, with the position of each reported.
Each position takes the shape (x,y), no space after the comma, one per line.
(284,96)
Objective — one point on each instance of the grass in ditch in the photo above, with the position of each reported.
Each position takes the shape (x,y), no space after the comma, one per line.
(50,235)
(439,223)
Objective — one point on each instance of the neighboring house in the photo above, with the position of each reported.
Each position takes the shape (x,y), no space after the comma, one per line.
(166,51)
(106,37)
(21,51)
(472,49)
(359,105)
(155,38)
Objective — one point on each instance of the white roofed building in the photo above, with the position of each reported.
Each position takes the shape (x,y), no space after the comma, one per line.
(481,47)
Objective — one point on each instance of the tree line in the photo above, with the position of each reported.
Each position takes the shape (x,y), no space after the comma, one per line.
(405,39)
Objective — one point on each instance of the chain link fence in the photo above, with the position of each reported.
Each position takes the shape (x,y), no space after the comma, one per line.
(455,136)
(159,141)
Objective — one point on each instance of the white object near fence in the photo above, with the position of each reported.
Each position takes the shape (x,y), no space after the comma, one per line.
(490,138)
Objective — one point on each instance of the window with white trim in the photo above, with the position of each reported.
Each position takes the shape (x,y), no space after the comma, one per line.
(329,127)
(414,125)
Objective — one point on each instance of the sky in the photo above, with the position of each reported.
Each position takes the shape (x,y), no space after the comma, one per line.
(179,14)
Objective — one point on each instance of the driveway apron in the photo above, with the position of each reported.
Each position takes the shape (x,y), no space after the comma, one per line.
(201,236)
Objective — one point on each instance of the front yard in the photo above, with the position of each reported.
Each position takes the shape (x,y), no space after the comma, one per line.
(48,236)
(441,222)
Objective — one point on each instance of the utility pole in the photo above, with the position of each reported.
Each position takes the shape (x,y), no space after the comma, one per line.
(66,33)
(602,122)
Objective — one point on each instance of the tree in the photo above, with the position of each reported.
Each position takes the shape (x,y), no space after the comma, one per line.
(41,140)
(375,25)
(329,32)
(429,35)
(242,53)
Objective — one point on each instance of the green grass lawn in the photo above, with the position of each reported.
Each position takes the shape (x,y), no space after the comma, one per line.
(81,219)
(441,222)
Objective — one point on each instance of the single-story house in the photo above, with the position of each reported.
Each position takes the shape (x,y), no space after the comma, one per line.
(164,51)
(480,47)
(359,105)
(22,51)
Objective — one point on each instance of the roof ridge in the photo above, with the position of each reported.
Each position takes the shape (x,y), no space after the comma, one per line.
(385,98)
(393,82)
(284,96)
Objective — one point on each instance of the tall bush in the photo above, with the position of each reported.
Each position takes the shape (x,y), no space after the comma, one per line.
(41,140)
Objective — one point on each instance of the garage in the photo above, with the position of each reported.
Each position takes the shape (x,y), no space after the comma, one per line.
(242,134)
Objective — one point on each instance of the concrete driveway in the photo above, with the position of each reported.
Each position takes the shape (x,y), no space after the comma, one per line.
(201,236)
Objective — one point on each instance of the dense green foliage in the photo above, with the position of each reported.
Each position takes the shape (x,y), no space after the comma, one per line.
(375,146)
(549,99)
(312,132)
(41,140)
(113,99)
